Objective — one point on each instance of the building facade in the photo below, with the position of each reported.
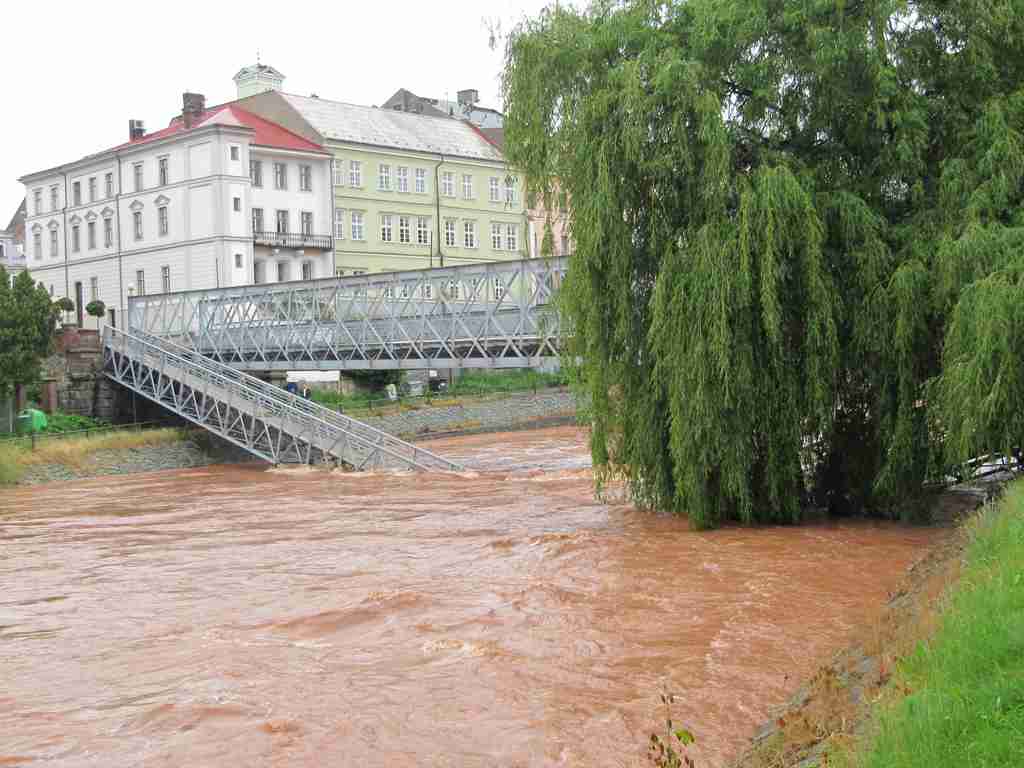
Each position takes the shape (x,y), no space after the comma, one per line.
(179,209)
(12,244)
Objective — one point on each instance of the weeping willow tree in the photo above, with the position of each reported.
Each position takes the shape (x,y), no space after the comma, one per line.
(799,240)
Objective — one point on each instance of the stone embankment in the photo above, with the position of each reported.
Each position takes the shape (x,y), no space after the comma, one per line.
(150,458)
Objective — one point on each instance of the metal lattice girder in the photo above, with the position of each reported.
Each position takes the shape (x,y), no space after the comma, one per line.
(265,420)
(494,315)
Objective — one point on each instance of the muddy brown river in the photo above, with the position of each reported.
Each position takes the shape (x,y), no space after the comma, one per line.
(240,616)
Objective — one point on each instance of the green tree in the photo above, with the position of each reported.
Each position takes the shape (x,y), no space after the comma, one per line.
(798,232)
(27,323)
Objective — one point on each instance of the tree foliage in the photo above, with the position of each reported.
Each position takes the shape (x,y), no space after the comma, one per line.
(799,240)
(27,322)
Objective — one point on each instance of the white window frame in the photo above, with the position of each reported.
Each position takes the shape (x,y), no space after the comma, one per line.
(108,231)
(495,187)
(256,173)
(140,282)
(137,224)
(427,291)
(355,173)
(108,185)
(37,199)
(498,287)
(404,230)
(402,178)
(54,198)
(383,177)
(163,170)
(510,191)
(305,177)
(138,177)
(467,186)
(338,171)
(163,221)
(281,176)
(92,189)
(37,245)
(234,153)
(257,213)
(279,219)
(512,237)
(496,237)
(357,229)
(448,184)
(469,238)
(165,278)
(306,223)
(90,229)
(76,238)
(76,193)
(307,270)
(386,230)
(54,243)
(94,289)
(421,181)
(339,223)
(451,237)
(422,230)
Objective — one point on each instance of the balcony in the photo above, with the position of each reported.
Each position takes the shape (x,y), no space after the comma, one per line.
(293,240)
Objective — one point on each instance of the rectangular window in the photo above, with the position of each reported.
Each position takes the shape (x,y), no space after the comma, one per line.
(339,223)
(92,189)
(161,217)
(282,222)
(108,184)
(91,228)
(495,188)
(257,220)
(384,178)
(259,269)
(53,198)
(306,178)
(469,234)
(404,232)
(37,196)
(428,291)
(448,184)
(108,233)
(307,223)
(357,225)
(76,244)
(280,176)
(496,237)
(355,173)
(256,173)
(76,192)
(137,175)
(140,283)
(54,250)
(423,230)
(165,278)
(389,292)
(37,246)
(234,152)
(236,204)
(238,261)
(94,289)
(421,181)
(499,289)
(137,216)
(467,186)
(338,171)
(307,270)
(510,190)
(512,237)
(385,228)
(449,234)
(454,289)
(402,174)
(161,166)
(282,272)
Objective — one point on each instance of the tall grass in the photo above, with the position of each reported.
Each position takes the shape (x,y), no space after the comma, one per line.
(964,702)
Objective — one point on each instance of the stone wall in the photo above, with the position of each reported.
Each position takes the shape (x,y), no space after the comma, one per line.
(73,381)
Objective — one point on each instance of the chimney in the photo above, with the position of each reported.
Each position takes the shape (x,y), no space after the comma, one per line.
(136,130)
(192,107)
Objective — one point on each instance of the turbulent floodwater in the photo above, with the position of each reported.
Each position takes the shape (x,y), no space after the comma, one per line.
(239,616)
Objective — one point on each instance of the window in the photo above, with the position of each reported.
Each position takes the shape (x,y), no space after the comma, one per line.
(385,228)
(389,292)
(384,178)
(428,291)
(495,187)
(307,270)
(402,174)
(137,216)
(108,184)
(37,245)
(161,217)
(91,228)
(108,232)
(280,176)
(496,236)
(76,243)
(449,234)
(259,272)
(92,189)
(238,261)
(469,234)
(499,288)
(404,234)
(423,230)
(256,173)
(355,173)
(305,178)
(307,223)
(54,249)
(161,167)
(512,237)
(257,220)
(403,292)
(448,184)
(467,186)
(140,282)
(234,152)
(421,180)
(510,190)
(339,223)
(53,197)
(338,171)
(94,289)
(37,196)
(339,272)
(282,222)
(76,192)
(137,175)
(282,272)
(236,204)
(453,289)
(165,278)
(357,225)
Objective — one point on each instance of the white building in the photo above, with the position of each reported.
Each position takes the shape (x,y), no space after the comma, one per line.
(220,197)
(12,249)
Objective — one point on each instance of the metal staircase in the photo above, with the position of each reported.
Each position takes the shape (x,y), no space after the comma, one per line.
(265,420)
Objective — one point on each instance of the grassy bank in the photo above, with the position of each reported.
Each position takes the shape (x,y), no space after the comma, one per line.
(958,698)
(75,452)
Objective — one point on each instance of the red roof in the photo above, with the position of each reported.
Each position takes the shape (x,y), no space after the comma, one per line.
(267,133)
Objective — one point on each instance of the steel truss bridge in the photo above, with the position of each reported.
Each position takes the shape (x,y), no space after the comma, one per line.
(190,351)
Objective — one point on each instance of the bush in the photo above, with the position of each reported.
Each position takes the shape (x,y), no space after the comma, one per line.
(64,304)
(71,422)
(96,309)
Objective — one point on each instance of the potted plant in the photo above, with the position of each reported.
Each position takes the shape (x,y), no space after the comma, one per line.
(63,306)
(97,309)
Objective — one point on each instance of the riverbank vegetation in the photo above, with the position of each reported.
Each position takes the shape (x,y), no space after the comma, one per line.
(799,242)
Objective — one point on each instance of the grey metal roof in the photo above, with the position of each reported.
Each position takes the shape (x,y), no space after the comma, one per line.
(393,128)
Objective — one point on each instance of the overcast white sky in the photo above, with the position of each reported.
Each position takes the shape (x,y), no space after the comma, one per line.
(76,72)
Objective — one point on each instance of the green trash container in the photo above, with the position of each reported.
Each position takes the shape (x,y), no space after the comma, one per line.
(30,421)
